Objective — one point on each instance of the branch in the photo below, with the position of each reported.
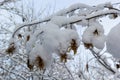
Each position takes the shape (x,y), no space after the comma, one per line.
(13,73)
(96,15)
(71,20)
(6,1)
(101,61)
(69,71)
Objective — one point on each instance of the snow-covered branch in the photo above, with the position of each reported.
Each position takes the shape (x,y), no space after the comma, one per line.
(75,18)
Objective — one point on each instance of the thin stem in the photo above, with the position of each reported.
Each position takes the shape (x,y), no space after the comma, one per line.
(69,71)
(101,61)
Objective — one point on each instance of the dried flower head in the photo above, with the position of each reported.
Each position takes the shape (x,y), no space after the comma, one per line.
(38,62)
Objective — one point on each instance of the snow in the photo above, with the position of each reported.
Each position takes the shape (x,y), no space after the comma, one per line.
(71,8)
(113,41)
(59,20)
(46,56)
(48,39)
(99,42)
(94,34)
(102,6)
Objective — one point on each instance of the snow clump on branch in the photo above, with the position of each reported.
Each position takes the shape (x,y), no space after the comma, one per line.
(48,39)
(94,36)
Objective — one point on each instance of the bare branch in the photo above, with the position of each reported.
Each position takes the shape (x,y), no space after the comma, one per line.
(6,1)
(13,73)
(101,61)
(69,71)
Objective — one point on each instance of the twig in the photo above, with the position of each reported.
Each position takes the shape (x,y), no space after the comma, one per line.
(5,1)
(69,71)
(101,61)
(13,73)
